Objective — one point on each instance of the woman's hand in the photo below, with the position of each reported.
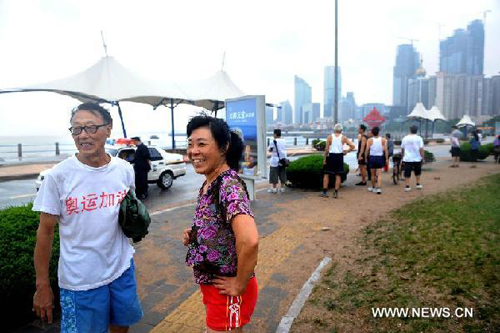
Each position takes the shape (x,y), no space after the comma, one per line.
(229,286)
(186,236)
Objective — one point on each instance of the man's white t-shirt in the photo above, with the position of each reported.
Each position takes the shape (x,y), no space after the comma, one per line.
(412,144)
(93,249)
(274,161)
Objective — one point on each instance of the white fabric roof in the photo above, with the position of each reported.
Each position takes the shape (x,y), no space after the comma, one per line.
(419,112)
(435,114)
(218,87)
(465,121)
(109,81)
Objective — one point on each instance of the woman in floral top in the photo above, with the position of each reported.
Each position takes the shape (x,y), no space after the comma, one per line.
(223,239)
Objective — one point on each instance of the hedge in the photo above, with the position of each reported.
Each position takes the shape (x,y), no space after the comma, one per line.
(18,226)
(484,151)
(429,157)
(307,172)
(319,144)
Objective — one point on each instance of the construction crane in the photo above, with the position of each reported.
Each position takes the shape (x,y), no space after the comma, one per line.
(410,39)
(485,13)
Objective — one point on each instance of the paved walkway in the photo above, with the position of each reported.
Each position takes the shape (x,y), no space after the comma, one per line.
(291,246)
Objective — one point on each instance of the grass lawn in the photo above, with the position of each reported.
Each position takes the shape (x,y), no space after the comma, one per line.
(439,252)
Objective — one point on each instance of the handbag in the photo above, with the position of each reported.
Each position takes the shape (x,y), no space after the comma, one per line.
(283,162)
(133,217)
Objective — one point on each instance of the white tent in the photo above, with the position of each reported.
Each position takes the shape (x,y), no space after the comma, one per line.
(107,81)
(435,114)
(211,93)
(465,121)
(419,112)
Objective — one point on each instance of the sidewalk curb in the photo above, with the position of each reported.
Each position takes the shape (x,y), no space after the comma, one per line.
(19,177)
(300,300)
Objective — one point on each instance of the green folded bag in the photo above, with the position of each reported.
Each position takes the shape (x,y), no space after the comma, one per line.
(133,217)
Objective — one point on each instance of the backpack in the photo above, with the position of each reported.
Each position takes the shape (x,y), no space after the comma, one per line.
(133,217)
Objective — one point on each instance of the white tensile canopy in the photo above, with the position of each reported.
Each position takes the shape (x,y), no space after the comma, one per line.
(107,81)
(211,93)
(419,112)
(465,121)
(435,114)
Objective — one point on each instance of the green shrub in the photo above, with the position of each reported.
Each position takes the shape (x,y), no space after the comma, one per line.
(18,226)
(307,172)
(429,157)
(484,151)
(319,144)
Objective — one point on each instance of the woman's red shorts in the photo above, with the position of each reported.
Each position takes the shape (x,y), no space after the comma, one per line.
(229,312)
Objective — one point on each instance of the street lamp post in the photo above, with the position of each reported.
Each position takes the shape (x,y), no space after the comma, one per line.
(336,100)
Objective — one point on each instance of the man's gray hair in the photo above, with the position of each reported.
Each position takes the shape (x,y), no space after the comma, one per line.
(338,128)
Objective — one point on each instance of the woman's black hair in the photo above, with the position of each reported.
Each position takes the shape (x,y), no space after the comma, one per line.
(222,136)
(476,136)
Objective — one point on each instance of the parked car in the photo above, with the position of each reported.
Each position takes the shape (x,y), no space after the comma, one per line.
(165,167)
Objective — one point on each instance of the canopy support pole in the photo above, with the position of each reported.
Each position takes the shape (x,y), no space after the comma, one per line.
(215,108)
(121,119)
(172,115)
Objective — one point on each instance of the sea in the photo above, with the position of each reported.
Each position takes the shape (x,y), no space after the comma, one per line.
(43,148)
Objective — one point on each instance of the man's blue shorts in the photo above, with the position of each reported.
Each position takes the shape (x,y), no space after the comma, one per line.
(92,311)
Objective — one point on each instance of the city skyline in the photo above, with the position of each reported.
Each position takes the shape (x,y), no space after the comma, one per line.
(260,58)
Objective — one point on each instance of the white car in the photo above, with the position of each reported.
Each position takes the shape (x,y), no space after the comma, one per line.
(165,167)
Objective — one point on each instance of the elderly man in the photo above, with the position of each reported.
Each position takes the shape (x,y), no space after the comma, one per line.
(96,270)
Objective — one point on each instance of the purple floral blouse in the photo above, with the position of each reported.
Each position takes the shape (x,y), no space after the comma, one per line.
(212,248)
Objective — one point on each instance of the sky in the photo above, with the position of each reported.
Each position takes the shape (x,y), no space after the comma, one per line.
(265,43)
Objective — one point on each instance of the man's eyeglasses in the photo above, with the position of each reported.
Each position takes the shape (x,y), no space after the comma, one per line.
(88,129)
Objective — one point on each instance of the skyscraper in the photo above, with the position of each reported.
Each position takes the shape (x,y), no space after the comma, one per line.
(269,116)
(463,53)
(407,62)
(303,94)
(285,114)
(329,90)
(311,112)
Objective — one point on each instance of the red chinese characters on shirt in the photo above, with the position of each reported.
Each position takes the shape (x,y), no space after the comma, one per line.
(71,206)
(89,202)
(92,201)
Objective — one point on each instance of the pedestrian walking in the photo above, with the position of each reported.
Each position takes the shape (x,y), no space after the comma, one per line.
(362,139)
(277,163)
(390,149)
(412,149)
(142,165)
(333,162)
(96,269)
(223,239)
(475,144)
(496,149)
(379,156)
(455,137)
(368,170)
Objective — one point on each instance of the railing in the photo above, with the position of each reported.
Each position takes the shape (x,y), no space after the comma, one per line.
(24,150)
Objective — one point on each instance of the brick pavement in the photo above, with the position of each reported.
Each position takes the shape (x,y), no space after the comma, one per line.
(171,300)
